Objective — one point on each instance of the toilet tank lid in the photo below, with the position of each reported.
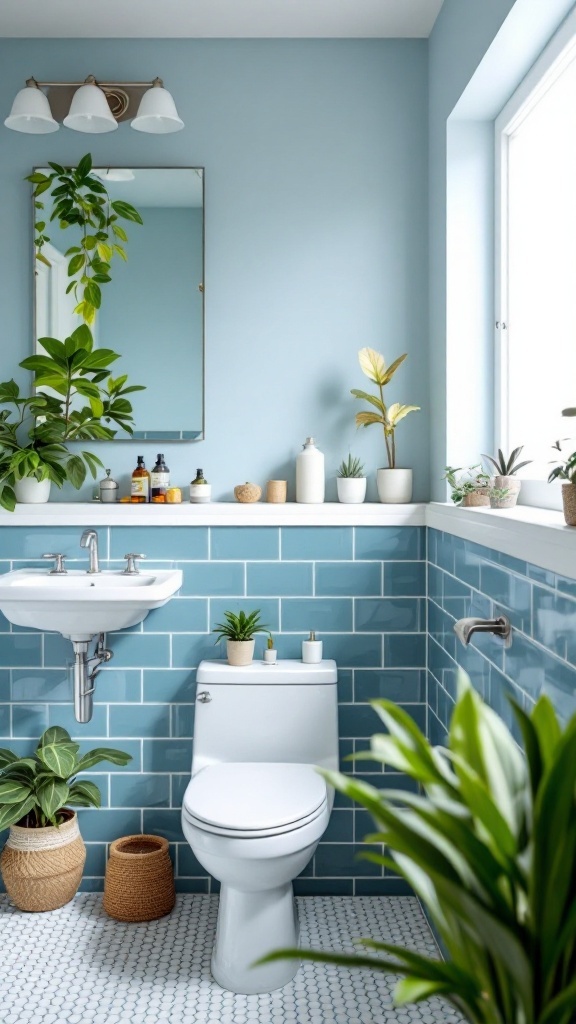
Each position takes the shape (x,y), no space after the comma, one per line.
(283,673)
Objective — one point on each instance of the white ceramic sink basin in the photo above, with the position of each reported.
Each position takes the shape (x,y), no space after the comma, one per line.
(79,604)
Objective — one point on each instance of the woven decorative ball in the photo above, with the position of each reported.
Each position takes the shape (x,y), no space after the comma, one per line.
(139,884)
(247,493)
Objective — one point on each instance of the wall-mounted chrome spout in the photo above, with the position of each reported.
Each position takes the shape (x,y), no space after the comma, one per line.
(85,672)
(465,628)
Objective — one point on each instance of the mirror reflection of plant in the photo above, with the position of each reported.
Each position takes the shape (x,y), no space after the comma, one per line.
(81,199)
(35,434)
(373,366)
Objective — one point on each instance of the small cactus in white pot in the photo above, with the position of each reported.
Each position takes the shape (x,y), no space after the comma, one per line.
(351,482)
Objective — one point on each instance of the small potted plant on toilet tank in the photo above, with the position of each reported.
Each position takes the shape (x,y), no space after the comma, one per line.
(239,632)
(44,854)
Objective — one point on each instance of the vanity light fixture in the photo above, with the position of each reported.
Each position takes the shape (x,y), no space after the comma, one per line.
(96,107)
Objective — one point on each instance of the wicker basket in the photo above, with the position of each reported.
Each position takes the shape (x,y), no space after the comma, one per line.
(139,883)
(569,503)
(42,867)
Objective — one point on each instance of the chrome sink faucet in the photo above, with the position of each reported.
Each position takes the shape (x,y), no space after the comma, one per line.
(89,539)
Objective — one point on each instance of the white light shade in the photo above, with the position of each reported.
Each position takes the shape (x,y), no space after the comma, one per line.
(31,113)
(157,113)
(89,111)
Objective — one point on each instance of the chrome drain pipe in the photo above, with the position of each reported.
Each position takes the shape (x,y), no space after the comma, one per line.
(85,672)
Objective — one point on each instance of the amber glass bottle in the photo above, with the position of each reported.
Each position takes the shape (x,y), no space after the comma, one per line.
(140,489)
(160,480)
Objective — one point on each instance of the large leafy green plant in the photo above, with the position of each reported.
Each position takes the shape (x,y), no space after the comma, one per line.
(490,848)
(374,367)
(81,199)
(82,400)
(34,790)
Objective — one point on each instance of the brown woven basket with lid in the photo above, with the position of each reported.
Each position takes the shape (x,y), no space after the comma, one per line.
(139,884)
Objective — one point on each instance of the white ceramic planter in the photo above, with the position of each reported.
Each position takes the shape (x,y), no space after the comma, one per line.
(31,491)
(240,652)
(270,656)
(351,489)
(394,486)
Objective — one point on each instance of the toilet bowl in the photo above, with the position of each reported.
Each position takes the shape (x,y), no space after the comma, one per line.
(265,821)
(256,806)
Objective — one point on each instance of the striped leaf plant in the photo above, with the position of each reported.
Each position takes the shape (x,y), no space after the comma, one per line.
(35,790)
(489,846)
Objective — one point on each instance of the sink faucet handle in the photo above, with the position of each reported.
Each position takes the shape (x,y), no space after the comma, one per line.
(131,567)
(59,567)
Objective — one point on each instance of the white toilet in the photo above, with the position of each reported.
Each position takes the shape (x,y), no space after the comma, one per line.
(255,807)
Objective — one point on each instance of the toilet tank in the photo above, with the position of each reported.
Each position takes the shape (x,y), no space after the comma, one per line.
(285,712)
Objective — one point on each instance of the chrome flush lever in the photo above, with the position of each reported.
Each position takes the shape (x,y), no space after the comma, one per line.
(204,697)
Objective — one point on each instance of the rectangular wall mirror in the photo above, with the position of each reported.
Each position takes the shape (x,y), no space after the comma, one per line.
(152,310)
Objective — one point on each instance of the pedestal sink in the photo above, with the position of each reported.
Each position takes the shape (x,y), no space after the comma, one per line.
(81,605)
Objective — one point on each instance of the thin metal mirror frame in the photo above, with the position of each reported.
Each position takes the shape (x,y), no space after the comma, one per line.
(128,438)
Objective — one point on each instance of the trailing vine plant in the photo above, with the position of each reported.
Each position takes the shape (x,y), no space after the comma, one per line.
(82,199)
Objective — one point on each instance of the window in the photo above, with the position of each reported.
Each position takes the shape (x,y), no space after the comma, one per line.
(536,258)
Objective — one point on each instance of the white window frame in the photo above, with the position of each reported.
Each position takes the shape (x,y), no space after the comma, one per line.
(559,52)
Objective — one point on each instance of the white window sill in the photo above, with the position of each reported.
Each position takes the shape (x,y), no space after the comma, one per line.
(537,535)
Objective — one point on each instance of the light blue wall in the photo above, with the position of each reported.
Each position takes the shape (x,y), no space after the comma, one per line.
(144,310)
(479,51)
(316,232)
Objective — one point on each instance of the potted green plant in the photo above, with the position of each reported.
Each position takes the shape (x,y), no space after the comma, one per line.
(506,479)
(44,854)
(351,482)
(471,489)
(239,632)
(394,483)
(36,431)
(488,844)
(566,470)
(502,497)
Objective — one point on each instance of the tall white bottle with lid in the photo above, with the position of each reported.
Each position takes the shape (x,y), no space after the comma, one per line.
(310,474)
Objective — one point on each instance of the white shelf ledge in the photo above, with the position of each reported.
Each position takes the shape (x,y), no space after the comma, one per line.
(537,535)
(214,514)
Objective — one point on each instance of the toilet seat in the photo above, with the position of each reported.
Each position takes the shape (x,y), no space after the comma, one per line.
(253,799)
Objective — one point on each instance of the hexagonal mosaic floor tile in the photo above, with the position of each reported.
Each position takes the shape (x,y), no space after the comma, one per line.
(78,966)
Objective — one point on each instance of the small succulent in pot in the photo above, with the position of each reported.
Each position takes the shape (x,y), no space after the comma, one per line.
(36,797)
(506,469)
(502,497)
(471,490)
(239,632)
(351,482)
(270,653)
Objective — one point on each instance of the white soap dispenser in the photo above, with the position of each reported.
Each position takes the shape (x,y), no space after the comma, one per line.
(310,474)
(312,650)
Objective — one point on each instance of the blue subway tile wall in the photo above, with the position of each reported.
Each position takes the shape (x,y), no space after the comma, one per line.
(467,579)
(363,589)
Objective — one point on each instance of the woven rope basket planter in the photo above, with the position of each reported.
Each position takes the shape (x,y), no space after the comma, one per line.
(139,883)
(569,503)
(42,867)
